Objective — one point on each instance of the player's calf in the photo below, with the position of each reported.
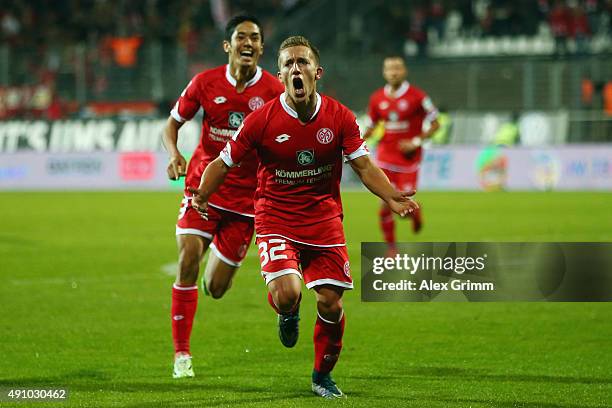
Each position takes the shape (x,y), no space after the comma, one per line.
(284,297)
(191,250)
(218,276)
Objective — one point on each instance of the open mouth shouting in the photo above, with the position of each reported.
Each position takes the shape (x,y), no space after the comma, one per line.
(298,87)
(247,54)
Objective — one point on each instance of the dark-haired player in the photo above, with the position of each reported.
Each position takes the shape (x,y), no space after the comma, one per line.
(227,94)
(301,139)
(409,118)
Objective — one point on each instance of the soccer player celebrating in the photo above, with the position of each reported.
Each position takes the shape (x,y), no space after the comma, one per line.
(409,117)
(300,139)
(227,95)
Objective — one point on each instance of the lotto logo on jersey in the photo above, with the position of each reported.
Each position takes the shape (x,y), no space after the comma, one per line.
(235,119)
(255,103)
(305,157)
(325,136)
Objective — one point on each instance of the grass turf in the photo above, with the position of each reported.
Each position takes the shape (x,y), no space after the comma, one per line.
(85,304)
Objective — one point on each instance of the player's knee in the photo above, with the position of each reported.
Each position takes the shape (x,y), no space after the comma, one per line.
(330,309)
(216,289)
(286,299)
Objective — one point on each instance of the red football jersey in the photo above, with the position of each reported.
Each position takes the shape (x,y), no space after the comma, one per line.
(406,114)
(298,191)
(224,110)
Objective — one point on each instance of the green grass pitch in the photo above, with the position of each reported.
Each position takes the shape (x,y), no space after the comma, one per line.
(85,304)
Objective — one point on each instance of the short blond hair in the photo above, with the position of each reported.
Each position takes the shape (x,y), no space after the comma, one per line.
(297,40)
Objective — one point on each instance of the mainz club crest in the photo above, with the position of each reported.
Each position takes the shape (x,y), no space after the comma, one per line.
(255,103)
(325,136)
(347,269)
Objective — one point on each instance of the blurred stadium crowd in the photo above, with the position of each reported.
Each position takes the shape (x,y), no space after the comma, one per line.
(42,23)
(57,56)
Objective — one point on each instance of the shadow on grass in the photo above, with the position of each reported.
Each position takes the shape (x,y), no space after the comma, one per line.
(163,391)
(476,375)
(423,401)
(218,401)
(233,390)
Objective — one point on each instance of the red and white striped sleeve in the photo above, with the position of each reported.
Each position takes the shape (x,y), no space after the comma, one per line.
(353,146)
(188,103)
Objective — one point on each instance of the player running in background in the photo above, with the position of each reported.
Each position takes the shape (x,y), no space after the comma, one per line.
(301,138)
(409,117)
(227,94)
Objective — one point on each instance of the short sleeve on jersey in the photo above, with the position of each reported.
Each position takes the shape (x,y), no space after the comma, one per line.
(431,113)
(353,145)
(188,103)
(242,143)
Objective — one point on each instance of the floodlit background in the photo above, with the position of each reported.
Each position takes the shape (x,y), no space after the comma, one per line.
(87,251)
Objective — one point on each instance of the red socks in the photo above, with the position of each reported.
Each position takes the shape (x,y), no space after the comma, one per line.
(387,224)
(184,304)
(327,344)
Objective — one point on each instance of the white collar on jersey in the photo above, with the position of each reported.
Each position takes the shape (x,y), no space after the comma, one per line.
(400,91)
(292,112)
(250,82)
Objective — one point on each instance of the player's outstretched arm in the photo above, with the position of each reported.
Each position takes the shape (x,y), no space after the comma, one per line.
(212,178)
(177,165)
(377,182)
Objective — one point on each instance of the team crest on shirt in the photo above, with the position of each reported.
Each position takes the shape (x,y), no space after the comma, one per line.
(256,102)
(235,119)
(402,105)
(220,99)
(383,105)
(305,157)
(347,269)
(325,136)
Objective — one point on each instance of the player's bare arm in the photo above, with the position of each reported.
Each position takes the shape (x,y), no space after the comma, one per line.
(377,182)
(212,178)
(368,132)
(177,165)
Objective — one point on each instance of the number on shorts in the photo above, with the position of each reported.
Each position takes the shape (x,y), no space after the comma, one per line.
(271,255)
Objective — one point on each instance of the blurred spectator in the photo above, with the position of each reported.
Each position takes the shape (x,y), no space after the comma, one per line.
(418,29)
(508,132)
(607,98)
(579,29)
(559,26)
(437,18)
(587,92)
(125,50)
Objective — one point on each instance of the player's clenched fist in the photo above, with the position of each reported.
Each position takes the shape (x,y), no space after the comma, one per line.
(177,167)
(198,202)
